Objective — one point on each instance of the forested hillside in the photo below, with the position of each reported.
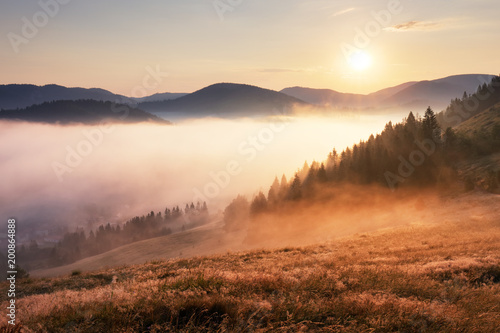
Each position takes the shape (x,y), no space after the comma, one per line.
(417,153)
(462,109)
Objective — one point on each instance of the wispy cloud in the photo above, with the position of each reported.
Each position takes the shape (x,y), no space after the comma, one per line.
(415,26)
(278,70)
(343,11)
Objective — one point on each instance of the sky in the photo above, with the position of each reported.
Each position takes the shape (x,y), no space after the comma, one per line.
(349,46)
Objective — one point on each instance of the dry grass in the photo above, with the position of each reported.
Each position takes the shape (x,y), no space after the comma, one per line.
(205,240)
(435,278)
(482,122)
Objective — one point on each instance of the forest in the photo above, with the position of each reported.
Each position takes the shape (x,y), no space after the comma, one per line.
(418,152)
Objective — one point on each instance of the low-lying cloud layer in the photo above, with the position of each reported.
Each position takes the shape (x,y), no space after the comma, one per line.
(68,175)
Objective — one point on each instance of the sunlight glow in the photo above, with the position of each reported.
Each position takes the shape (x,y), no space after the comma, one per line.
(360,61)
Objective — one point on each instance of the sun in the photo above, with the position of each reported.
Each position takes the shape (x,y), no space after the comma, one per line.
(360,61)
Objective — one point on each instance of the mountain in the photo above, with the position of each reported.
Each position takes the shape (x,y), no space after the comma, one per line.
(324,96)
(388,92)
(227,99)
(329,97)
(436,93)
(159,97)
(15,96)
(81,111)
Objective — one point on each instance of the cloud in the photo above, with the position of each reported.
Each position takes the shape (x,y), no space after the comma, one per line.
(342,12)
(415,26)
(142,167)
(279,70)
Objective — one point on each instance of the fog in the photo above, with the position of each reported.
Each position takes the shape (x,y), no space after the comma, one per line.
(347,211)
(70,175)
(327,213)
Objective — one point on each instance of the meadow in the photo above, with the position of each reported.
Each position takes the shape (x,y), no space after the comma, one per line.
(423,277)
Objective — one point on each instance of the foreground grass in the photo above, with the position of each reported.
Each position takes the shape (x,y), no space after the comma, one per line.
(441,278)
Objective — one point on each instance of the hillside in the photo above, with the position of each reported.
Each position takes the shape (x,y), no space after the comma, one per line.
(324,222)
(433,277)
(80,112)
(227,99)
(436,93)
(15,96)
(469,105)
(483,122)
(200,241)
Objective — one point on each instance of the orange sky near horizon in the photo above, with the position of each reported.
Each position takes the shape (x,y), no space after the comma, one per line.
(271,44)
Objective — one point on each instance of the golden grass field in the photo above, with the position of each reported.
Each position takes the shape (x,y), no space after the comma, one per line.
(441,276)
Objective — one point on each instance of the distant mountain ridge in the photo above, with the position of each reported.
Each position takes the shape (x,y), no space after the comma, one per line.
(232,99)
(159,97)
(436,93)
(88,112)
(15,96)
(329,97)
(224,99)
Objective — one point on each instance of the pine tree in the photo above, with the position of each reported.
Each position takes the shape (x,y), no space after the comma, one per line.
(304,171)
(321,174)
(295,191)
(310,179)
(283,188)
(411,123)
(259,204)
(429,124)
(272,195)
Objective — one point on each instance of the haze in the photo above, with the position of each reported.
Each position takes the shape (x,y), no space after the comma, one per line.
(272,44)
(138,168)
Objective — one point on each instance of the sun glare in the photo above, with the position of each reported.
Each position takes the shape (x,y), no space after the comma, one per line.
(360,61)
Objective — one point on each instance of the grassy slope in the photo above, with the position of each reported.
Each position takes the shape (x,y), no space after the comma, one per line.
(427,277)
(202,240)
(211,239)
(482,122)
(480,168)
